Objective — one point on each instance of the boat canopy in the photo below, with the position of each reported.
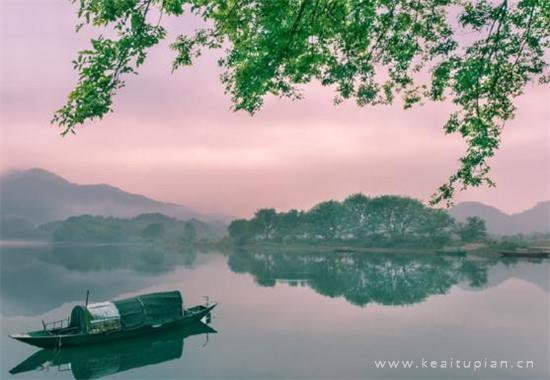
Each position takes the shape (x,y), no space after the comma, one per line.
(96,318)
(144,310)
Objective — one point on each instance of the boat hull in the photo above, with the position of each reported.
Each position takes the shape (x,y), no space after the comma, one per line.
(451,253)
(526,254)
(40,339)
(98,361)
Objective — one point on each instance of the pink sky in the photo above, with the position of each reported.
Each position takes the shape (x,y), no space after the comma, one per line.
(173,137)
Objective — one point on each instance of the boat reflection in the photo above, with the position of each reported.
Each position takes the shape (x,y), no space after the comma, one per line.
(103,360)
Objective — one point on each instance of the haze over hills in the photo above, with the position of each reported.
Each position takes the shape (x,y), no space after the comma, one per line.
(533,220)
(39,196)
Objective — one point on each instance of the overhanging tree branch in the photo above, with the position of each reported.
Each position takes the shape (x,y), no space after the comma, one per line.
(355,40)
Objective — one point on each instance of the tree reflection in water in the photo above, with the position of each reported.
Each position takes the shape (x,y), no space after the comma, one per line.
(387,279)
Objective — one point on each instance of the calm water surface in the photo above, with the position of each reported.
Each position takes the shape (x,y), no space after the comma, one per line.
(283,315)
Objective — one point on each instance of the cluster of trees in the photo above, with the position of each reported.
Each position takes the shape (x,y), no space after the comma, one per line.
(90,228)
(383,220)
(144,227)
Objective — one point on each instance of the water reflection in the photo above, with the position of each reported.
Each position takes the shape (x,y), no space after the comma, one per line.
(36,279)
(363,278)
(104,360)
(492,308)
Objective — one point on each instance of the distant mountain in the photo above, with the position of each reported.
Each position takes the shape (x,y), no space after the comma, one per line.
(497,221)
(39,196)
(536,219)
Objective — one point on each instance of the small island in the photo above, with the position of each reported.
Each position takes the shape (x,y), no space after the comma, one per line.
(386,223)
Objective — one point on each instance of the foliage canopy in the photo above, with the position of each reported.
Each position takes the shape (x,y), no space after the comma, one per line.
(386,220)
(480,54)
(473,230)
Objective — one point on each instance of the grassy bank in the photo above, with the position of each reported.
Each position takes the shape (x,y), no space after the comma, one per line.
(480,250)
(335,247)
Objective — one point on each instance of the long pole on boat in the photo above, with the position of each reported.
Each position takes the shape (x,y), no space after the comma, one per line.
(87,294)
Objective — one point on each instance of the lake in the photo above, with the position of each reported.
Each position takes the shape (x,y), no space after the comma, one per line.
(286,315)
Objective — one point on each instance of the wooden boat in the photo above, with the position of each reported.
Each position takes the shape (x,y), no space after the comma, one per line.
(344,250)
(451,251)
(112,321)
(99,361)
(530,254)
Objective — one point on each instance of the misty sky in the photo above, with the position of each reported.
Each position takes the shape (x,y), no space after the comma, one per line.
(173,137)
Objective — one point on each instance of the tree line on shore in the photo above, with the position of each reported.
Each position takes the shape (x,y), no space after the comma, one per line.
(386,220)
(145,227)
(152,227)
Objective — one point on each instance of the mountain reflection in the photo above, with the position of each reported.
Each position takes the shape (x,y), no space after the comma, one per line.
(57,274)
(103,360)
(363,278)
